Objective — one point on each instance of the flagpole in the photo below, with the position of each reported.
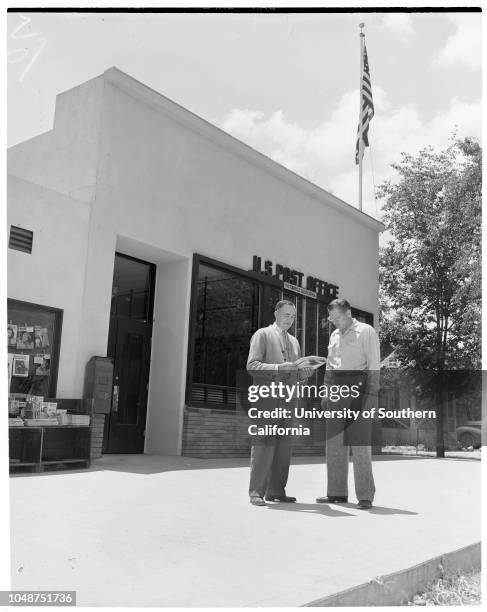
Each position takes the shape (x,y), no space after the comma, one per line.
(360,142)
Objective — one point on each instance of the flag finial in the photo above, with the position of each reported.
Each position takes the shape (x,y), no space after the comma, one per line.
(361,26)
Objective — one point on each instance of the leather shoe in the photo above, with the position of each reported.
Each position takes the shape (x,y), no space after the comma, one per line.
(332,499)
(255,500)
(364,504)
(280,498)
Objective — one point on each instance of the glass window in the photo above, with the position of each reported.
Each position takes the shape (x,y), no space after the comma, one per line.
(228,309)
(362,316)
(269,296)
(324,329)
(33,348)
(311,338)
(311,333)
(131,290)
(300,322)
(226,318)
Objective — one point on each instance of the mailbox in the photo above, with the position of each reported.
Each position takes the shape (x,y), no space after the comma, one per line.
(98,383)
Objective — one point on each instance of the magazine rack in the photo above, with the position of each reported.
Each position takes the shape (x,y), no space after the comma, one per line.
(40,446)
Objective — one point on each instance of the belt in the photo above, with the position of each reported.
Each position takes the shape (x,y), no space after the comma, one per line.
(348,373)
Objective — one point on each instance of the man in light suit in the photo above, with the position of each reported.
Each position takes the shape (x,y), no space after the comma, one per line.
(353,359)
(272,353)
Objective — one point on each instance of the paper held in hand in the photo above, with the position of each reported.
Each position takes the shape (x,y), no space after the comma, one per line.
(313,361)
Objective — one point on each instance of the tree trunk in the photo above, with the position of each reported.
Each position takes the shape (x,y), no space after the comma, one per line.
(440,416)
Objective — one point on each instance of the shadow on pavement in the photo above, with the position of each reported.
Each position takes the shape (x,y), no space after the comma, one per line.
(311,508)
(143,464)
(384,510)
(157,464)
(328,510)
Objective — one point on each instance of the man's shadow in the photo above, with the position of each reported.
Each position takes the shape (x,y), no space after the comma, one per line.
(324,509)
(328,510)
(384,510)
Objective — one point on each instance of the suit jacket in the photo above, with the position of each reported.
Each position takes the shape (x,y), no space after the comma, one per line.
(265,354)
(266,350)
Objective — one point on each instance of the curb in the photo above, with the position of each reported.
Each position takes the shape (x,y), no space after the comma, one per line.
(400,587)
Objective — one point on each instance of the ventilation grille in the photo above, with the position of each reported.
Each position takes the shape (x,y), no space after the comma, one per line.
(20,239)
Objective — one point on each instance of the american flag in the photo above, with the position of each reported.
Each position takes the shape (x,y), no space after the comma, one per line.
(366,109)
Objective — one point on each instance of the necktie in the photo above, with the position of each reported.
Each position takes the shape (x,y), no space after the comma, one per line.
(287,346)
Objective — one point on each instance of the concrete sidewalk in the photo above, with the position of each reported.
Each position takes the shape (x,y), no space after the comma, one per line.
(174,531)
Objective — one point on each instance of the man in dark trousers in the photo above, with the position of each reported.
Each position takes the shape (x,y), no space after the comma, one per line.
(272,353)
(353,359)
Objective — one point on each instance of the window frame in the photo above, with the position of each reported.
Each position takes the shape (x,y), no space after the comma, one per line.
(259,278)
(56,340)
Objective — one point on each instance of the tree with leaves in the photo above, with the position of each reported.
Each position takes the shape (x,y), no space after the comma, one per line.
(430,289)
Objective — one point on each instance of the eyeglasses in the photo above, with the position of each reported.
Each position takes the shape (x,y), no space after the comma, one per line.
(334,316)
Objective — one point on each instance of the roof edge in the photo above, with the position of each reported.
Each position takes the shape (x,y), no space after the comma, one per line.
(156,100)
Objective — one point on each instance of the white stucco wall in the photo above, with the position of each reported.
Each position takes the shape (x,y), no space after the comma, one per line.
(173,184)
(54,274)
(65,158)
(168,363)
(163,184)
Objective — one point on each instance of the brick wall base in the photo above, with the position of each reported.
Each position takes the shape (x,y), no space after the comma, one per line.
(209,433)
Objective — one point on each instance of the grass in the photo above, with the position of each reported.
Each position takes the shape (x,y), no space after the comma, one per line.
(454,589)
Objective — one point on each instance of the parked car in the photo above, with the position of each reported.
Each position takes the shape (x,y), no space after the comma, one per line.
(468,435)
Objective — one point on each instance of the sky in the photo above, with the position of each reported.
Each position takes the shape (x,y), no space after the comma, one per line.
(286,84)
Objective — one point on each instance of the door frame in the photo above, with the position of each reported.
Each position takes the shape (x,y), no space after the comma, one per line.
(113,333)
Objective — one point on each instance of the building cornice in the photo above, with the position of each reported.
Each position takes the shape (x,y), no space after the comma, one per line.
(178,113)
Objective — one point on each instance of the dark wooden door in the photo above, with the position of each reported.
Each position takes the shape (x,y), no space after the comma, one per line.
(129,345)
